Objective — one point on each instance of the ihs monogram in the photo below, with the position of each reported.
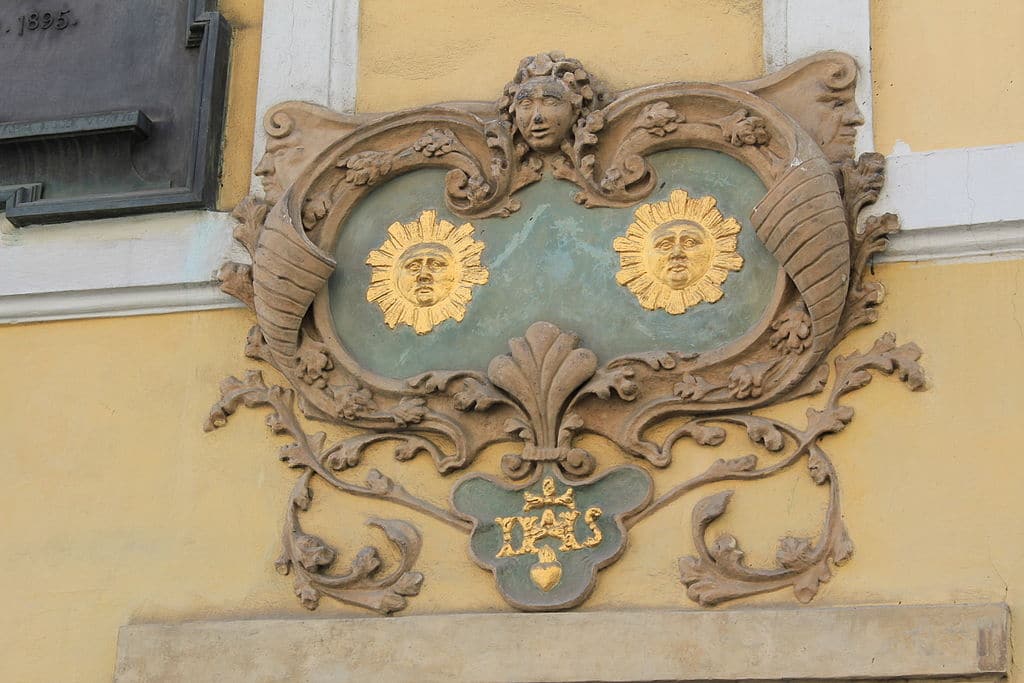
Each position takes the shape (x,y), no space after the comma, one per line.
(548,572)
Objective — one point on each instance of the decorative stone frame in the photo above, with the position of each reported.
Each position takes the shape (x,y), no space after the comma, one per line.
(793,129)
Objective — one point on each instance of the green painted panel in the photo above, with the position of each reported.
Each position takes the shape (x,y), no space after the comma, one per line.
(553,260)
(615,493)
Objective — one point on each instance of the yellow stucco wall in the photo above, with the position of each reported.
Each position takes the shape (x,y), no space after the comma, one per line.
(456,50)
(947,73)
(117,508)
(246,19)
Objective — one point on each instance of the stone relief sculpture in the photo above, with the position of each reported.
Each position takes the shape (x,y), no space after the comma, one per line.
(557,515)
(423,273)
(677,253)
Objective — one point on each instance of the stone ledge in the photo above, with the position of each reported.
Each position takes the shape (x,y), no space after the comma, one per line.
(837,644)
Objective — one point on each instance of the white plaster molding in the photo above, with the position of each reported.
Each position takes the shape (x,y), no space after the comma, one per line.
(344,55)
(108,303)
(122,266)
(794,29)
(308,52)
(839,644)
(955,203)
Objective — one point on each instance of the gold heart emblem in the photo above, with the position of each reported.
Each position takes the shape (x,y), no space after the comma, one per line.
(548,572)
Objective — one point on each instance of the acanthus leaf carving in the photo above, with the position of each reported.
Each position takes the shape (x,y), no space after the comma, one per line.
(436,142)
(309,556)
(861,182)
(236,280)
(765,433)
(749,380)
(250,213)
(792,330)
(362,584)
(865,295)
(314,362)
(541,374)
(739,129)
(478,395)
(608,381)
(353,401)
(367,168)
(655,360)
(410,410)
(693,387)
(659,119)
(719,573)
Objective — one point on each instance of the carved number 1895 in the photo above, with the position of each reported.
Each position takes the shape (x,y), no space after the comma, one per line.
(42,21)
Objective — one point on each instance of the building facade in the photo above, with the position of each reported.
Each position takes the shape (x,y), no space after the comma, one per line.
(121,511)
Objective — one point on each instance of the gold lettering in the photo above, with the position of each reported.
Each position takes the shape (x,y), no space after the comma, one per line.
(560,526)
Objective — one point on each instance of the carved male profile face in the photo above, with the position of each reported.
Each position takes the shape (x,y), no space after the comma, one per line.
(266,171)
(544,113)
(278,167)
(425,274)
(679,253)
(840,118)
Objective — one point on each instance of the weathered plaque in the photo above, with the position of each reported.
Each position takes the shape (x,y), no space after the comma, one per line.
(111,108)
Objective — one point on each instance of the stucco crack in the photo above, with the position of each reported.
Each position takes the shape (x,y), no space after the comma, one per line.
(1002,579)
(1013,302)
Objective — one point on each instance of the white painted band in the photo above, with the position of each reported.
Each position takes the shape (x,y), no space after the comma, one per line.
(106,303)
(309,53)
(122,266)
(955,203)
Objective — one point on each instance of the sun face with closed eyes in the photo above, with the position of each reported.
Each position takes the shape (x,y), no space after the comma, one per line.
(677,253)
(423,274)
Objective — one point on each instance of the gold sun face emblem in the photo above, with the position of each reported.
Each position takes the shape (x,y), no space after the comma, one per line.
(676,253)
(424,272)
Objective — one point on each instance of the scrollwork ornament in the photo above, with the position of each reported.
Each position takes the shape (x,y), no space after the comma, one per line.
(564,513)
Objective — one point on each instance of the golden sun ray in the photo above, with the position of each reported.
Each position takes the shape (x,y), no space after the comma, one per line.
(423,273)
(676,253)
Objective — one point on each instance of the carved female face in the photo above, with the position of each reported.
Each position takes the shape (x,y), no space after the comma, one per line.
(544,113)
(426,274)
(679,253)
